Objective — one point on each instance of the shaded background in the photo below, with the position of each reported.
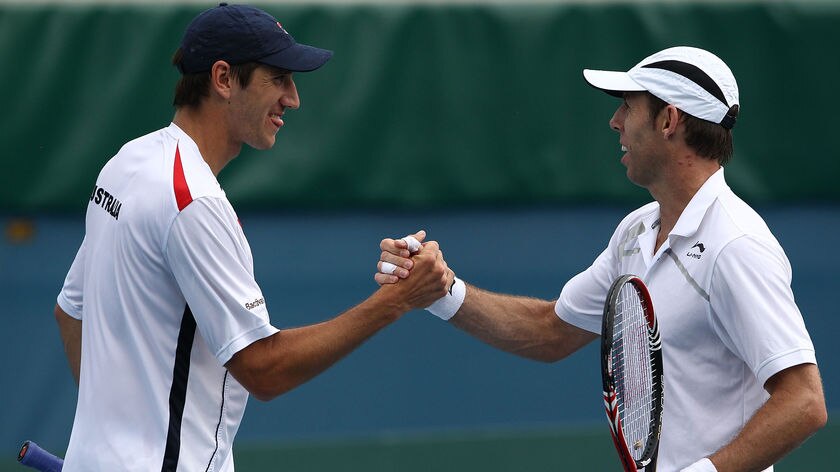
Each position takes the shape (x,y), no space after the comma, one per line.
(471,121)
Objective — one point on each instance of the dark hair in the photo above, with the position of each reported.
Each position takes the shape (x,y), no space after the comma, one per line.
(191,89)
(707,139)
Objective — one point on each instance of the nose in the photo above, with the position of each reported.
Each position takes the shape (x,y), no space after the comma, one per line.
(290,98)
(617,120)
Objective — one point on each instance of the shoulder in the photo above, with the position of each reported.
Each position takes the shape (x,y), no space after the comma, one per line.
(730,218)
(153,143)
(743,238)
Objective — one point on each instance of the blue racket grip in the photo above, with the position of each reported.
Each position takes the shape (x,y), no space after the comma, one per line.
(32,455)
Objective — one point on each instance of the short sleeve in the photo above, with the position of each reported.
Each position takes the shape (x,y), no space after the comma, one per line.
(581,302)
(70,298)
(211,262)
(753,309)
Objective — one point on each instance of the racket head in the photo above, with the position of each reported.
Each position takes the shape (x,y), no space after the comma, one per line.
(631,346)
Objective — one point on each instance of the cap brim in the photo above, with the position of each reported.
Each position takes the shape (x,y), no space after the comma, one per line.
(613,82)
(298,58)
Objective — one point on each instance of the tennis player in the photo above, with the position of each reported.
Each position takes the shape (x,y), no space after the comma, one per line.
(742,388)
(165,328)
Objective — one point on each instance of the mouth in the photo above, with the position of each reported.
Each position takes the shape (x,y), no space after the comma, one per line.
(625,152)
(276,119)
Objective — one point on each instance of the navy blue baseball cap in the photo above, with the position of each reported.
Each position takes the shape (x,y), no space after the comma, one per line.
(238,34)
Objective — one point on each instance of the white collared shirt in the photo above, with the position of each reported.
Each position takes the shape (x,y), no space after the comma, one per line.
(720,285)
(164,285)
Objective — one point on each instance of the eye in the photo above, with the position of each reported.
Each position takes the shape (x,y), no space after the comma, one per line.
(282,79)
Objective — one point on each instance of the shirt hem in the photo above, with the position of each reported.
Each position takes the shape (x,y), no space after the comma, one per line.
(68,307)
(244,341)
(783,361)
(580,321)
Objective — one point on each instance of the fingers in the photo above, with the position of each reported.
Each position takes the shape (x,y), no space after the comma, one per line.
(420,235)
(387,268)
(396,265)
(412,244)
(403,247)
(395,260)
(385,279)
(397,247)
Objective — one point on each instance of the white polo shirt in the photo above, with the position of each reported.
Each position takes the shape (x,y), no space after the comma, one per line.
(164,284)
(720,286)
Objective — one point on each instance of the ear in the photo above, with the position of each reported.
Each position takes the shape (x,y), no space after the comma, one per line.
(220,79)
(671,118)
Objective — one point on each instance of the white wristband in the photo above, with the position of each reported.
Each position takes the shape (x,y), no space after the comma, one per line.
(703,465)
(446,307)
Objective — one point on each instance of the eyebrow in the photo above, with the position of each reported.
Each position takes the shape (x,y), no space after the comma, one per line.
(276,70)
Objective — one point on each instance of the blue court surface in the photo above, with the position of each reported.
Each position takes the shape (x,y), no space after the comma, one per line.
(419,376)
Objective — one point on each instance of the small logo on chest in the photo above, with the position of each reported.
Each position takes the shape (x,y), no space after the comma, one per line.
(699,250)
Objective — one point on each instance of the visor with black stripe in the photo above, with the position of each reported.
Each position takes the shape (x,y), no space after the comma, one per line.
(692,79)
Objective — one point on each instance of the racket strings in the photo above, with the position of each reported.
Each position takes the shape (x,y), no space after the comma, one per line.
(632,370)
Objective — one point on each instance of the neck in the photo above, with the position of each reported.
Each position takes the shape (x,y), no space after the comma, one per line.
(207,129)
(676,191)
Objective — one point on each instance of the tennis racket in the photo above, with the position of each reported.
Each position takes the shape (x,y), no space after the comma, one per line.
(32,455)
(631,369)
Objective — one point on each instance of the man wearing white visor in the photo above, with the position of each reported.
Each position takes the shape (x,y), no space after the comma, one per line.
(742,388)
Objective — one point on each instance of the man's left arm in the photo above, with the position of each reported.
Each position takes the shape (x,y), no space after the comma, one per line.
(71,337)
(795,411)
(756,317)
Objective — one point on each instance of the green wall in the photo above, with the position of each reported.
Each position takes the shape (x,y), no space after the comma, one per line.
(424,106)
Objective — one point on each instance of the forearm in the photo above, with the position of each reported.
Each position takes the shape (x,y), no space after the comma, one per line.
(794,412)
(291,357)
(283,361)
(527,327)
(70,330)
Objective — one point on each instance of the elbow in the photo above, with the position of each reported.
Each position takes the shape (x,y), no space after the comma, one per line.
(813,410)
(263,380)
(817,414)
(258,387)
(263,395)
(266,393)
(554,356)
(259,391)
(547,354)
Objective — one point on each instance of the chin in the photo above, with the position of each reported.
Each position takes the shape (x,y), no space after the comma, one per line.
(263,145)
(634,179)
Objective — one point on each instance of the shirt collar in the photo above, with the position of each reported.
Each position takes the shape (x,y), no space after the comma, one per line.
(186,142)
(693,213)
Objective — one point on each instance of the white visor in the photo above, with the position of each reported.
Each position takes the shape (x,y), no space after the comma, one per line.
(694,80)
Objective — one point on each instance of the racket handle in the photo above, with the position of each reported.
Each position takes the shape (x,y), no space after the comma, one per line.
(32,455)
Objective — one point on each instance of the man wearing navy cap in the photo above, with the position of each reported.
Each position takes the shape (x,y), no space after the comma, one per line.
(164,326)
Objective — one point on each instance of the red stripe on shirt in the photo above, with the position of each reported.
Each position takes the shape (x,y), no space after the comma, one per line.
(182,191)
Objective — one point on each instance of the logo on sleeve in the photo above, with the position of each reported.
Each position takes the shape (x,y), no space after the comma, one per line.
(255,303)
(106,201)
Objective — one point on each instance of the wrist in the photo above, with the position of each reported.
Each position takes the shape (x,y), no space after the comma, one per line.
(703,465)
(391,301)
(446,306)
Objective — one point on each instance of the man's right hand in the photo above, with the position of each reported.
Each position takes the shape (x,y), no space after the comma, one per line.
(396,252)
(430,276)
